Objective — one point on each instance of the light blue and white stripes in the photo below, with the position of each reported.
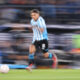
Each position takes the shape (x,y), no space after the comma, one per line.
(37,34)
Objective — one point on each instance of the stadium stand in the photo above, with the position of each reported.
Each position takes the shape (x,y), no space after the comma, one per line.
(54,11)
(62,18)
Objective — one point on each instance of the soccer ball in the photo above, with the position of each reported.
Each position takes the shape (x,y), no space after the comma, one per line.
(4,68)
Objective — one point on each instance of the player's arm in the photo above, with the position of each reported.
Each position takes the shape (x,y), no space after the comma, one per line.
(30,27)
(41,30)
(42,25)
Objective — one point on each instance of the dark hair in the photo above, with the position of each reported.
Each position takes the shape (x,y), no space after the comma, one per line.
(35,11)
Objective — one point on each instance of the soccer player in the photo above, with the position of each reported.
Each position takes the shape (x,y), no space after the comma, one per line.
(40,36)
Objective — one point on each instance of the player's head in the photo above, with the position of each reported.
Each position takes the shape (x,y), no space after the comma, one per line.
(35,14)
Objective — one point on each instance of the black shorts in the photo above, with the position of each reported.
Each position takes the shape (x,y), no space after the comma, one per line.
(41,45)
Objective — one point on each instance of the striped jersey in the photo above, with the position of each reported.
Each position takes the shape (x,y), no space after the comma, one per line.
(36,25)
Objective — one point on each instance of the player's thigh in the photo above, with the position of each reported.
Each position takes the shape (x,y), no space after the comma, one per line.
(32,48)
(44,46)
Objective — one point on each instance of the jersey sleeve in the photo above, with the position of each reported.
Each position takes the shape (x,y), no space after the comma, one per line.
(42,23)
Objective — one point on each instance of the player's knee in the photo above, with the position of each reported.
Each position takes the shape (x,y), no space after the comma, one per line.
(32,49)
(46,55)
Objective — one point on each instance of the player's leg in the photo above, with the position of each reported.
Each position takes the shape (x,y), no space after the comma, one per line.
(46,54)
(51,56)
(44,48)
(32,50)
(29,68)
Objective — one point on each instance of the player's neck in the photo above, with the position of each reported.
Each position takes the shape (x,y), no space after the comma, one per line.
(36,19)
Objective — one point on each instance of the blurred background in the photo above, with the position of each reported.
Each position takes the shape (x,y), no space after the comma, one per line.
(63,23)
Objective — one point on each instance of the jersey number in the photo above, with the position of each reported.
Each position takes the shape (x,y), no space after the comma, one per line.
(43,46)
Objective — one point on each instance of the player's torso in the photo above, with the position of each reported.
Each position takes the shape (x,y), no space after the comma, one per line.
(37,34)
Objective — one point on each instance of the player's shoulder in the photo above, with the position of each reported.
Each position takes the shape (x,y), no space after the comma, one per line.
(32,21)
(41,18)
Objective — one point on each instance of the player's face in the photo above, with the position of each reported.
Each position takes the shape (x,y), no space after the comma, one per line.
(34,16)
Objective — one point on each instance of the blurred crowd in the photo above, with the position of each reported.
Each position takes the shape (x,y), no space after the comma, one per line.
(14,42)
(54,11)
(27,1)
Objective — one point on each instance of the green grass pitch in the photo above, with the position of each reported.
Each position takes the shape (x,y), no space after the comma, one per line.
(42,74)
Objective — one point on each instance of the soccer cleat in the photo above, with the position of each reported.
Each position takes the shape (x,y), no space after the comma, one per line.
(54,58)
(29,68)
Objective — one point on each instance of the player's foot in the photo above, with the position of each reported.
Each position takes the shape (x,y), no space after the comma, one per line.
(55,61)
(29,68)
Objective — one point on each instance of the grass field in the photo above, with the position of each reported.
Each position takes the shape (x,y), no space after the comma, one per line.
(46,74)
